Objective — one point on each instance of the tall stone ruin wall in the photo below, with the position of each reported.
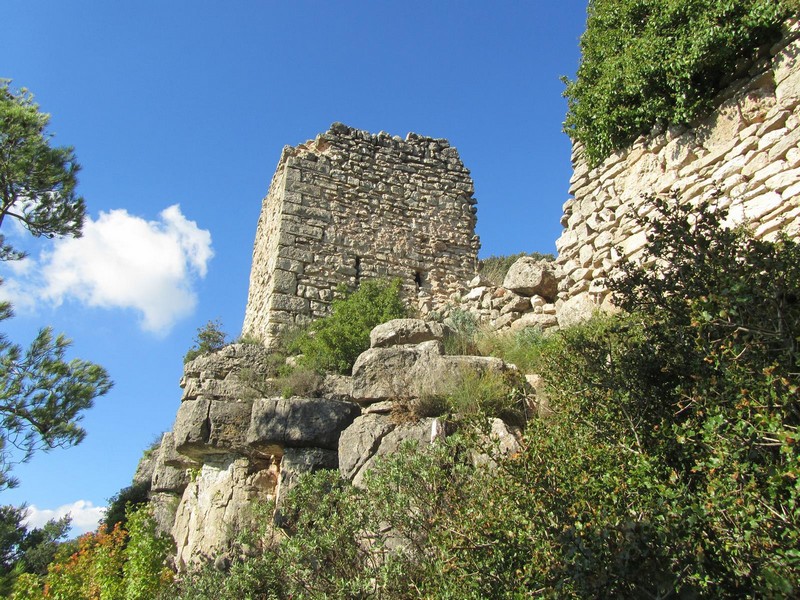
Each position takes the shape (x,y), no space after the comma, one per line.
(350,205)
(749,150)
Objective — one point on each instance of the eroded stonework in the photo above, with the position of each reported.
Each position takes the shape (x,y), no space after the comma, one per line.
(748,150)
(351,205)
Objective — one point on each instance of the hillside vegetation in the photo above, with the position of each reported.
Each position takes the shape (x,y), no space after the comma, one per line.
(666,463)
(661,62)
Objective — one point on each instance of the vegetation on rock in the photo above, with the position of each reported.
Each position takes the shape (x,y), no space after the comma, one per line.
(333,343)
(649,63)
(494,268)
(210,338)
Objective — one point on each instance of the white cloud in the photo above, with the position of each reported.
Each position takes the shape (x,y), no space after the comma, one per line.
(85,515)
(122,261)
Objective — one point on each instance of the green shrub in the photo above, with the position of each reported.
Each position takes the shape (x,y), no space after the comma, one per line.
(333,343)
(128,498)
(209,338)
(661,62)
(461,333)
(145,570)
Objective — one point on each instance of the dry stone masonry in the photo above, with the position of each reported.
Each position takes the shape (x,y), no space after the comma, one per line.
(749,150)
(351,205)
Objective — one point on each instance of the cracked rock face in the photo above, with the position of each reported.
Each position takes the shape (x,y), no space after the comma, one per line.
(218,503)
(231,449)
(298,422)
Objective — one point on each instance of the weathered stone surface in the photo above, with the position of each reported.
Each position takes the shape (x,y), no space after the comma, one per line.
(205,427)
(419,432)
(575,309)
(747,149)
(403,372)
(218,503)
(164,506)
(536,320)
(389,373)
(529,277)
(336,387)
(350,206)
(192,427)
(305,422)
(405,331)
(359,442)
(146,466)
(167,477)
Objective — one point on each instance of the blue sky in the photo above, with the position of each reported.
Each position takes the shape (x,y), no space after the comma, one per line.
(178,112)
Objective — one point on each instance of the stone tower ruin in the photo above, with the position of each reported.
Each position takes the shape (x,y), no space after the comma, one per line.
(350,205)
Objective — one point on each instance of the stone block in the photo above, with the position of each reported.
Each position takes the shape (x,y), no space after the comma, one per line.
(405,331)
(298,422)
(528,277)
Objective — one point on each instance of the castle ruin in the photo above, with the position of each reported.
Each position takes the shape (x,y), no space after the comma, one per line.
(350,205)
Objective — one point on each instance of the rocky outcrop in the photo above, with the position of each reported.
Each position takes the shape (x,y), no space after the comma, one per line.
(231,448)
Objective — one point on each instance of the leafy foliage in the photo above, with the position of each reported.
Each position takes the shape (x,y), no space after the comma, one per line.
(110,564)
(127,499)
(334,342)
(661,62)
(209,338)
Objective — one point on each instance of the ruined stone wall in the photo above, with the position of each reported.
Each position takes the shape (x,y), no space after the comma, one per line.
(749,150)
(351,205)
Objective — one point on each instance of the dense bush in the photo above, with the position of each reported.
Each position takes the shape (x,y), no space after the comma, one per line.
(128,498)
(109,564)
(661,62)
(333,343)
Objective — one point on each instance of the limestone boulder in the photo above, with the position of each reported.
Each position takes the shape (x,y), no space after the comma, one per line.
(170,456)
(146,466)
(191,427)
(421,432)
(167,477)
(531,277)
(218,503)
(359,442)
(541,321)
(575,310)
(276,423)
(405,331)
(406,372)
(389,373)
(216,375)
(205,427)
